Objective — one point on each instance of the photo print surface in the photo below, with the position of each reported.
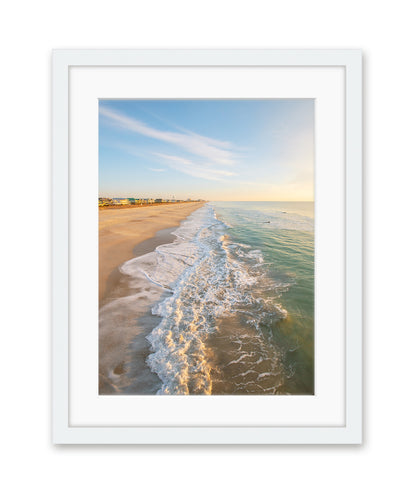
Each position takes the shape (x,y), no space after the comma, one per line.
(206,247)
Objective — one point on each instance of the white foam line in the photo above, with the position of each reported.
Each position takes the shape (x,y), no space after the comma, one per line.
(155,282)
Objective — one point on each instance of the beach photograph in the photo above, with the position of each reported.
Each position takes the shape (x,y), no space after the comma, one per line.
(206,247)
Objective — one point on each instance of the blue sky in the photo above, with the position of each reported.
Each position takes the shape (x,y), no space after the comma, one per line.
(252,150)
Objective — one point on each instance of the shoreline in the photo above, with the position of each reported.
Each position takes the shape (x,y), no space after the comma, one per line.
(123,349)
(122,231)
(114,286)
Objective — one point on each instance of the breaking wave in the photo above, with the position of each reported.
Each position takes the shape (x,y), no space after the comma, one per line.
(217,314)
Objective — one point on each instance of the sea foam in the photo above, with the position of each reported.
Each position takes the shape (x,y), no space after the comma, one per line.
(209,279)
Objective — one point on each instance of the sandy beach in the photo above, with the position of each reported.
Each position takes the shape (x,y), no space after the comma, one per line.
(121,230)
(123,235)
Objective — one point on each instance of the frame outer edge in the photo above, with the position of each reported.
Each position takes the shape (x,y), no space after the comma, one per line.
(60,254)
(354,245)
(62,433)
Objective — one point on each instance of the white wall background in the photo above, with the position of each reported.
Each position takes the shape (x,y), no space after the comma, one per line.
(32,467)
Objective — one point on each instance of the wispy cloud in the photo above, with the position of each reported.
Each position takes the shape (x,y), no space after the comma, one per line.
(213,150)
(157,169)
(195,170)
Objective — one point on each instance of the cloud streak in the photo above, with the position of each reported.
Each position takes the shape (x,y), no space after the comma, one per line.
(195,170)
(212,150)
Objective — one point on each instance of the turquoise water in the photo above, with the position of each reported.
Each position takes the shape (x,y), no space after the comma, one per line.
(284,234)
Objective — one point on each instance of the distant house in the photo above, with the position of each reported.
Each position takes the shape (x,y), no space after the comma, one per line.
(142,201)
(159,200)
(105,201)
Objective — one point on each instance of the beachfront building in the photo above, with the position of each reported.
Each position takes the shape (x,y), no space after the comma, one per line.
(142,201)
(105,201)
(138,201)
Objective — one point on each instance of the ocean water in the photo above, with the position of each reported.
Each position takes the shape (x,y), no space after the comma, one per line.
(231,303)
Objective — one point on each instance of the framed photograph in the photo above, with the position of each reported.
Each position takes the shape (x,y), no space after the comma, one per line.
(207,244)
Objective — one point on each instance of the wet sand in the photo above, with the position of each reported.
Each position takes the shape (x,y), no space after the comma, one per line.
(121,231)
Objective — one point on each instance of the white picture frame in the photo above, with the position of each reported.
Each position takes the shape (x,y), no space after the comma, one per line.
(320,431)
